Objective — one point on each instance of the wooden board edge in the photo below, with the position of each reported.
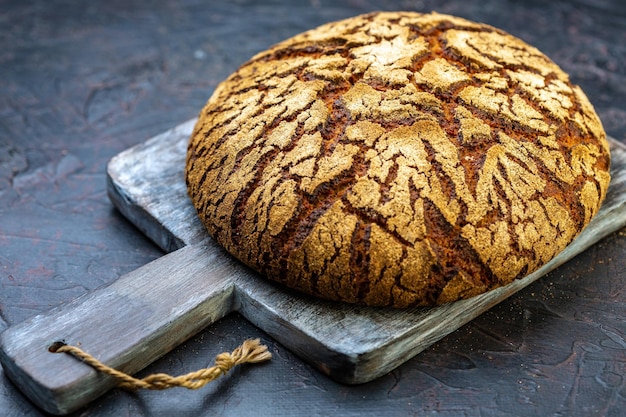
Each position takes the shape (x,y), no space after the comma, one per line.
(141,218)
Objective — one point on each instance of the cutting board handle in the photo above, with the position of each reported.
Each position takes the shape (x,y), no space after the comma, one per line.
(127,325)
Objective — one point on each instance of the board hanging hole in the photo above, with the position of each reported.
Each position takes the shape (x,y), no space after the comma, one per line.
(54,347)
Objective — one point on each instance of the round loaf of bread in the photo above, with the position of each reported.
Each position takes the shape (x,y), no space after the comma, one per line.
(397,159)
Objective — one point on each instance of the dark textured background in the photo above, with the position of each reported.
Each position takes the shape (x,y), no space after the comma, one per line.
(81,81)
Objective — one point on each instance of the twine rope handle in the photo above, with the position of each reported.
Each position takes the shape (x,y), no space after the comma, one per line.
(250,351)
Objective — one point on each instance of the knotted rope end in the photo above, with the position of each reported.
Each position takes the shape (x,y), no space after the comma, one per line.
(253,352)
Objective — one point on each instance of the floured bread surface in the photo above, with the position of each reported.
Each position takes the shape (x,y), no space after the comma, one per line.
(397,159)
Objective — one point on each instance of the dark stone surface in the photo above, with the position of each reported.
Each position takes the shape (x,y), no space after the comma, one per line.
(82,81)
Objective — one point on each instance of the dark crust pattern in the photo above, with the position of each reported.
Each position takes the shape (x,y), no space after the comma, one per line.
(397,159)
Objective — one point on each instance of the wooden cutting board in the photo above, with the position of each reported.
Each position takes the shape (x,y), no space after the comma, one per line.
(146,313)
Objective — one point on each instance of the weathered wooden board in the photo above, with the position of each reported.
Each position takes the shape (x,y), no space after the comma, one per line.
(146,313)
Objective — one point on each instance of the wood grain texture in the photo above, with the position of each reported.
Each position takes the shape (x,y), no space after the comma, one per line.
(136,190)
(352,344)
(127,325)
(148,312)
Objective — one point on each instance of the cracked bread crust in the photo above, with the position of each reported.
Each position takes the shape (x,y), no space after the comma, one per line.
(397,159)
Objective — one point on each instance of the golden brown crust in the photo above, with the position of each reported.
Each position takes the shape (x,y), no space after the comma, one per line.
(397,159)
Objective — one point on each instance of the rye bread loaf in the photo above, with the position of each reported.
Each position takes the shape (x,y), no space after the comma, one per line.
(397,159)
